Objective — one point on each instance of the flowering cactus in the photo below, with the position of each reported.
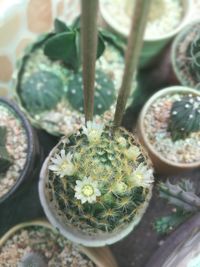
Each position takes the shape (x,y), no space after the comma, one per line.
(185,117)
(99,180)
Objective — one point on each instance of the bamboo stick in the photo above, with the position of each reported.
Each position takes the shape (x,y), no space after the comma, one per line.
(89,52)
(135,42)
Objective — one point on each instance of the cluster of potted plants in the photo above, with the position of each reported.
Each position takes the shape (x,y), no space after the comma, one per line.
(97,182)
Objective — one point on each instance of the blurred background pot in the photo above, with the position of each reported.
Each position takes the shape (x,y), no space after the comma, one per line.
(32,155)
(181,249)
(184,55)
(161,163)
(100,257)
(153,45)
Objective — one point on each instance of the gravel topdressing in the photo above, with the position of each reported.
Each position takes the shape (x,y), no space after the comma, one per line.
(56,250)
(156,130)
(164,16)
(16,144)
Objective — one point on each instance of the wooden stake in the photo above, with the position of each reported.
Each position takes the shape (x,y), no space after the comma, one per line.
(89,52)
(135,42)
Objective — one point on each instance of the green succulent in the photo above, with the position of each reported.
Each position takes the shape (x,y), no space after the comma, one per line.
(105,93)
(5,158)
(41,92)
(64,44)
(98,180)
(185,117)
(32,259)
(193,53)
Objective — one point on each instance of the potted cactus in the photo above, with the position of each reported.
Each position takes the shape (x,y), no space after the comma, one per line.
(37,243)
(168,126)
(185,56)
(166,18)
(48,79)
(96,183)
(19,150)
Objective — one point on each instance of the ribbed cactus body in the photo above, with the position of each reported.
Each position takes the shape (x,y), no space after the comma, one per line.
(105,93)
(185,117)
(42,91)
(5,159)
(102,182)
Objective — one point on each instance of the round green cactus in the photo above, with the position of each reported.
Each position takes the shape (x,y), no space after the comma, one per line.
(41,92)
(185,117)
(32,259)
(99,180)
(105,93)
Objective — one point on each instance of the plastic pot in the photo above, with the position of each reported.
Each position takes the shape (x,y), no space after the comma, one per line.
(34,154)
(72,233)
(102,257)
(182,248)
(161,164)
(186,36)
(151,46)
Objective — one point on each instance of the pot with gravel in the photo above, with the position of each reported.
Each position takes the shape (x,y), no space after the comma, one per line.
(48,79)
(169,128)
(185,56)
(166,19)
(19,150)
(37,243)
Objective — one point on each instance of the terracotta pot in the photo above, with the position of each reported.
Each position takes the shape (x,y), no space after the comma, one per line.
(102,257)
(161,164)
(182,248)
(70,232)
(152,46)
(34,154)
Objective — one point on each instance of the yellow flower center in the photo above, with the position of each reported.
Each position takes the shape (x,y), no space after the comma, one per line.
(87,190)
(63,166)
(94,136)
(139,176)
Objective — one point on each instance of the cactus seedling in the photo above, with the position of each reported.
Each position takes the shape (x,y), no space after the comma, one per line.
(103,192)
(32,259)
(42,91)
(185,117)
(104,92)
(5,158)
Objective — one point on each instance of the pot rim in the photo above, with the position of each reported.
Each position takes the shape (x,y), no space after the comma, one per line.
(161,93)
(31,149)
(187,6)
(74,234)
(175,45)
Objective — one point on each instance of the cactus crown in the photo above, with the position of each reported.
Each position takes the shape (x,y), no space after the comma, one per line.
(193,53)
(5,159)
(32,259)
(64,45)
(105,94)
(185,117)
(99,181)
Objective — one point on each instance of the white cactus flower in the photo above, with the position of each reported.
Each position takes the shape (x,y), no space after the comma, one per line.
(132,153)
(87,190)
(142,176)
(93,131)
(62,164)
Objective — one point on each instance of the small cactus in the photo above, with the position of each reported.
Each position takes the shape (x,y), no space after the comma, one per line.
(99,180)
(185,117)
(193,53)
(32,259)
(5,158)
(41,92)
(105,94)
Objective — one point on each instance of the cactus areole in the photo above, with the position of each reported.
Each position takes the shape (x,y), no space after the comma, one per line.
(98,182)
